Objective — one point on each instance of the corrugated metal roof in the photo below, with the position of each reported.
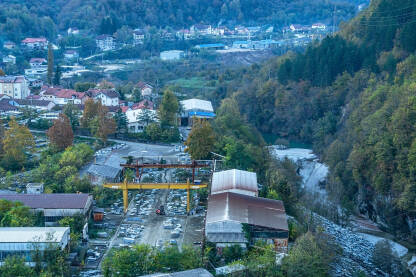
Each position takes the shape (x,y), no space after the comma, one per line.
(50,201)
(32,234)
(103,171)
(246,209)
(234,179)
(197,104)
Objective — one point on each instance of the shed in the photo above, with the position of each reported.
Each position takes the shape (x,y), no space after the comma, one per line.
(98,214)
(235,180)
(100,173)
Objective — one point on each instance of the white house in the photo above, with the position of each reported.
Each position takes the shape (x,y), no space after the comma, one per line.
(35,43)
(9,45)
(14,86)
(108,97)
(73,31)
(105,42)
(201,29)
(172,55)
(71,55)
(140,115)
(36,104)
(146,90)
(61,96)
(9,59)
(138,36)
(38,62)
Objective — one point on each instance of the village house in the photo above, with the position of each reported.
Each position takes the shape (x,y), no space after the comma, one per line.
(55,206)
(9,59)
(105,42)
(14,86)
(36,104)
(195,108)
(6,108)
(71,55)
(107,97)
(10,45)
(73,31)
(184,34)
(138,36)
(319,26)
(139,115)
(38,63)
(61,96)
(201,29)
(35,43)
(146,90)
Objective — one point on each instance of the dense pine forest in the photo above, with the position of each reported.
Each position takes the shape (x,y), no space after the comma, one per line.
(41,18)
(353,97)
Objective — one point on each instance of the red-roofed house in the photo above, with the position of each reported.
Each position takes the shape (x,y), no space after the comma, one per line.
(14,86)
(62,96)
(37,62)
(35,43)
(139,115)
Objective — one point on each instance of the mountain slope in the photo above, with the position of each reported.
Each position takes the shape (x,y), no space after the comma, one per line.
(353,97)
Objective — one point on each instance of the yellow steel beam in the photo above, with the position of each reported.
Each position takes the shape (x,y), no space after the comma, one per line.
(126,186)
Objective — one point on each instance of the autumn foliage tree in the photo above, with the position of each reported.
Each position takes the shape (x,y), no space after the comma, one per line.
(98,120)
(201,140)
(61,134)
(16,143)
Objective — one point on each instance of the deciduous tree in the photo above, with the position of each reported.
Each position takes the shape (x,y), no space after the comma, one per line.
(168,108)
(60,134)
(201,140)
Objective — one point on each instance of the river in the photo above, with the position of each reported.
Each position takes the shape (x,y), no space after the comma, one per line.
(357,247)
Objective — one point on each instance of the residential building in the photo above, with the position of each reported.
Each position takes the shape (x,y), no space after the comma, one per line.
(71,55)
(14,86)
(201,29)
(146,90)
(172,55)
(73,31)
(184,34)
(35,43)
(319,26)
(61,96)
(107,97)
(55,206)
(37,104)
(263,218)
(105,43)
(138,36)
(139,115)
(6,108)
(24,241)
(211,46)
(99,174)
(38,62)
(9,59)
(234,180)
(244,44)
(197,108)
(10,45)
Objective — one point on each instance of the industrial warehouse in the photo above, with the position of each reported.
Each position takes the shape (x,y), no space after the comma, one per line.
(233,203)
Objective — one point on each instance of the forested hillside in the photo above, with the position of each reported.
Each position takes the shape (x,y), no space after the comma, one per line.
(46,17)
(353,97)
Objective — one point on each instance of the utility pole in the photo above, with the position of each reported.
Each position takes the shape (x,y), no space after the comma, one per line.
(333,18)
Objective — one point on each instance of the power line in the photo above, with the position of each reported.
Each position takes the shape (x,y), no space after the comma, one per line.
(385,25)
(392,11)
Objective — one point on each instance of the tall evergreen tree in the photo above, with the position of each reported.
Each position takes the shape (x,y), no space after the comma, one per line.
(57,77)
(50,64)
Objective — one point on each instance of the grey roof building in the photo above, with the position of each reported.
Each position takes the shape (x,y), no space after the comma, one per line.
(100,173)
(228,211)
(235,180)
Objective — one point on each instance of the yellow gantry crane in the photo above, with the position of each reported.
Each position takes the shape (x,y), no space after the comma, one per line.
(125,186)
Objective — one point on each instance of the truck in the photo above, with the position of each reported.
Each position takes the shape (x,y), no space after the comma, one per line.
(161,210)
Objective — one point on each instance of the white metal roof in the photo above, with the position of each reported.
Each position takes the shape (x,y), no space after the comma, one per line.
(32,234)
(234,179)
(197,104)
